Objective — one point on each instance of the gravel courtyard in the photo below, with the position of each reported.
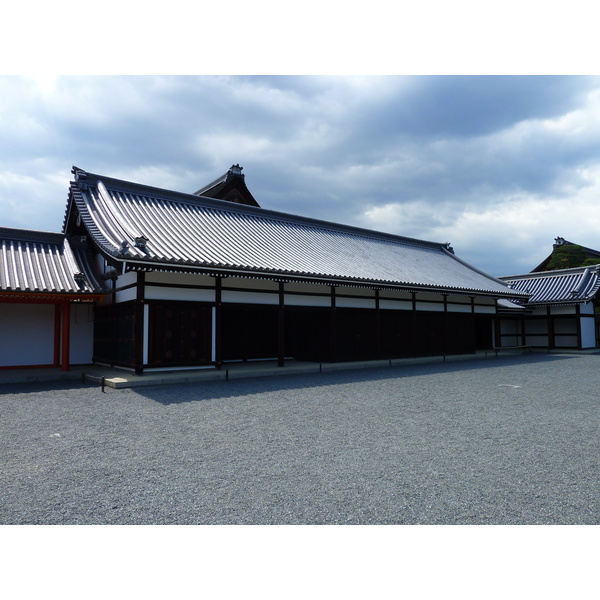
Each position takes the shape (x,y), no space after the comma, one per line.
(499,441)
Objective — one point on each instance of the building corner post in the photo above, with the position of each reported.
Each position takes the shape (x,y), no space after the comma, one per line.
(138,342)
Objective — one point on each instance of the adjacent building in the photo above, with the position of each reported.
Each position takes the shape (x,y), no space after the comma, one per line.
(560,312)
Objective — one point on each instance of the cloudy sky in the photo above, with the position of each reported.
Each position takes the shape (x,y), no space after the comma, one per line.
(497,165)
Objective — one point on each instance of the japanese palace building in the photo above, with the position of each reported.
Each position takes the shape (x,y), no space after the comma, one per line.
(145,278)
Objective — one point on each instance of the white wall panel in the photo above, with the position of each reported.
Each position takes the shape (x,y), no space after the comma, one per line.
(395,305)
(26,334)
(126,279)
(249,297)
(126,295)
(185,294)
(355,302)
(249,284)
(81,348)
(563,310)
(297,300)
(393,294)
(588,333)
(487,310)
(461,308)
(430,306)
(309,288)
(351,291)
(180,278)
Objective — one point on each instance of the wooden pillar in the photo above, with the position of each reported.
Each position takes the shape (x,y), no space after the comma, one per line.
(445,328)
(281,327)
(57,315)
(217,323)
(413,325)
(66,334)
(550,329)
(138,341)
(332,327)
(578,319)
(377,326)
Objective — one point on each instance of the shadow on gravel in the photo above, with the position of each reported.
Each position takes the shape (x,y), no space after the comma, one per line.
(33,387)
(212,390)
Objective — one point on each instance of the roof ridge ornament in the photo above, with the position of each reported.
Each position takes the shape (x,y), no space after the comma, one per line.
(141,241)
(79,173)
(235,171)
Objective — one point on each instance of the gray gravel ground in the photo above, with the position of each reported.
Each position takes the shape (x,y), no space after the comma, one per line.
(502,441)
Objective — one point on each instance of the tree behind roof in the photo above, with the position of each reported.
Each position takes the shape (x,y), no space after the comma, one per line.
(566,256)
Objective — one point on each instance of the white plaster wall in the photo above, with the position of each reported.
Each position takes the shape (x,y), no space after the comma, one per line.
(395,304)
(26,334)
(430,297)
(351,291)
(81,347)
(170,293)
(461,308)
(250,284)
(355,302)
(563,310)
(430,306)
(126,295)
(297,300)
(126,279)
(249,297)
(309,288)
(394,294)
(488,310)
(588,333)
(179,278)
(459,300)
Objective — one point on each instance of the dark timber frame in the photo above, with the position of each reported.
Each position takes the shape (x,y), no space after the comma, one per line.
(243,319)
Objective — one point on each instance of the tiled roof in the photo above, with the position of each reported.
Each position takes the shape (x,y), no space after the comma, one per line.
(565,286)
(187,231)
(42,262)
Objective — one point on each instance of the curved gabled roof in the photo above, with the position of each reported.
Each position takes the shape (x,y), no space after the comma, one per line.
(564,286)
(186,231)
(44,262)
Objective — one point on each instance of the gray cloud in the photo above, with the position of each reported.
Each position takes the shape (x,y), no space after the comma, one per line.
(431,149)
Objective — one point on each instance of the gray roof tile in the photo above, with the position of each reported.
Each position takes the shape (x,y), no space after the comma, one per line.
(43,262)
(184,230)
(564,286)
